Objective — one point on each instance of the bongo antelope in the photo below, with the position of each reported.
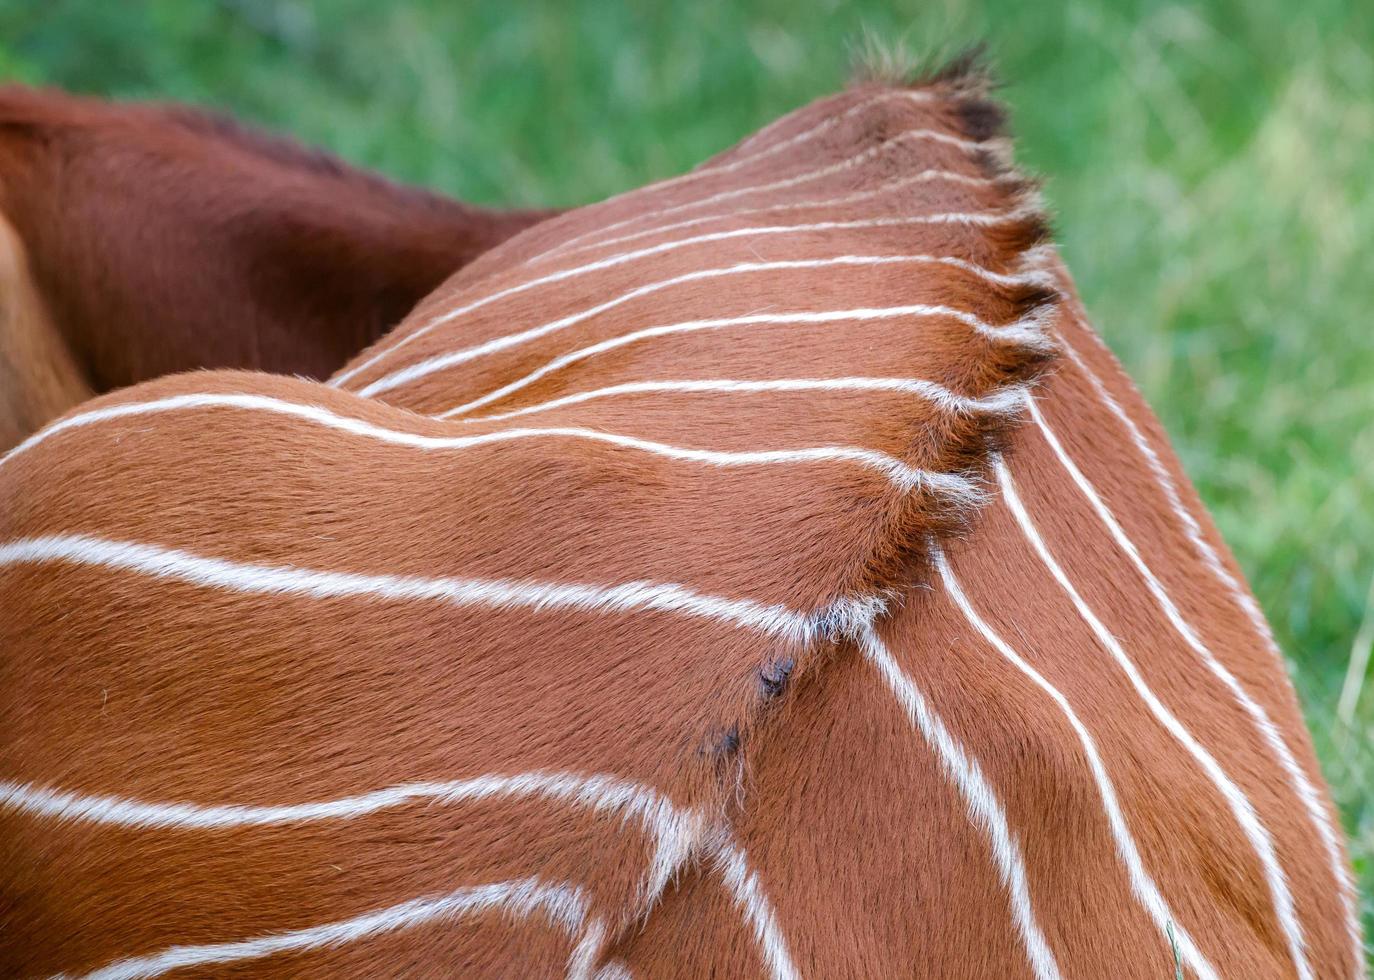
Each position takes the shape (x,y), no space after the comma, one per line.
(763,573)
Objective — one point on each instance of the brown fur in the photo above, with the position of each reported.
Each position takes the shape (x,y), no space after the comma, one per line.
(782,751)
(164,238)
(39,377)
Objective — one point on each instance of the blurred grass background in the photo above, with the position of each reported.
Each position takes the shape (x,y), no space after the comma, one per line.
(1211,164)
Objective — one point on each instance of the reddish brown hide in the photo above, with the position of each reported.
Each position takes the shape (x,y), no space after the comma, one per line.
(141,240)
(763,573)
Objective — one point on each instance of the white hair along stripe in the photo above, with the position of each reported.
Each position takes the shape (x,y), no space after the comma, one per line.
(234,576)
(562,905)
(1185,517)
(824,107)
(1028,332)
(1240,806)
(1143,886)
(980,218)
(675,830)
(922,177)
(805,136)
(980,799)
(599,792)
(1264,725)
(842,616)
(829,170)
(1318,812)
(743,159)
(1006,401)
(918,96)
(904,477)
(450,359)
(746,159)
(749,896)
(588,948)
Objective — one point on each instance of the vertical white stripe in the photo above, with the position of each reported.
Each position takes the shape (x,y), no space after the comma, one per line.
(980,799)
(1258,716)
(1166,482)
(1240,806)
(584,954)
(1142,884)
(1318,811)
(749,895)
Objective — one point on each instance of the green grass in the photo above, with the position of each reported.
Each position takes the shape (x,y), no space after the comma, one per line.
(1209,162)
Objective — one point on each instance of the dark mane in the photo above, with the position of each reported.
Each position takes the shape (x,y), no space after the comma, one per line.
(967,76)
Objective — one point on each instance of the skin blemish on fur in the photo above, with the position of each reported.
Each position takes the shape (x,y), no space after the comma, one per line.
(348,574)
(726,743)
(774,675)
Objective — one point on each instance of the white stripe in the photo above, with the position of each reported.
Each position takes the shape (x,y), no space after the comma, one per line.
(1184,515)
(750,897)
(924,176)
(984,809)
(588,948)
(451,358)
(1007,400)
(597,792)
(488,593)
(1260,718)
(749,159)
(1028,332)
(744,160)
(674,830)
(563,905)
(830,122)
(1142,884)
(910,95)
(906,478)
(741,149)
(1317,812)
(1240,806)
(977,218)
(849,163)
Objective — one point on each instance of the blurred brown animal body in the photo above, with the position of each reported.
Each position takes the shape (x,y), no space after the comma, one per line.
(142,240)
(763,573)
